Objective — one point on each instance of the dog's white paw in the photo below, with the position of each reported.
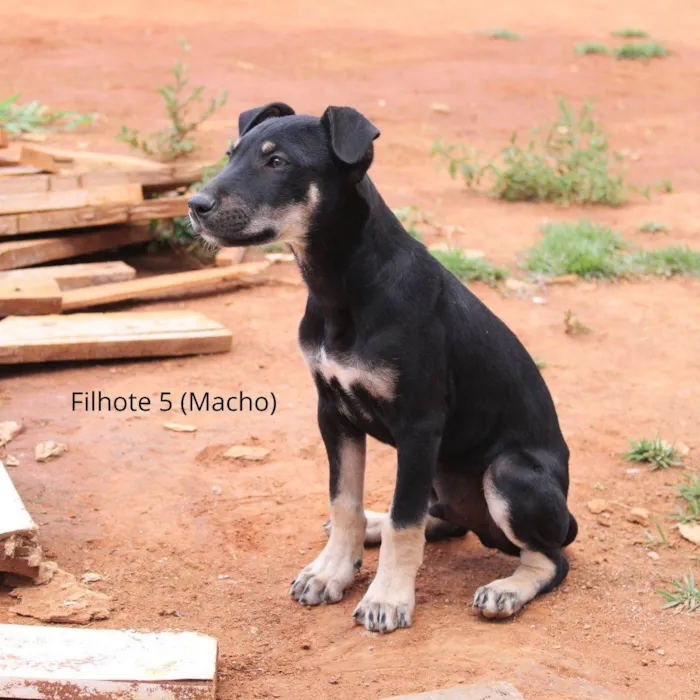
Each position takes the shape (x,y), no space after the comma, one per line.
(386,608)
(324,580)
(496,600)
(373,531)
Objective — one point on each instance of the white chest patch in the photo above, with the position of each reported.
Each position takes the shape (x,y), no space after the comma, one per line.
(380,382)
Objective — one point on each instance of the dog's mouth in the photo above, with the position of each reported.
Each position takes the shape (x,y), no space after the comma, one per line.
(232,235)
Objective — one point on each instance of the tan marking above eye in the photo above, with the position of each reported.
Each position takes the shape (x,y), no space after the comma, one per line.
(267,147)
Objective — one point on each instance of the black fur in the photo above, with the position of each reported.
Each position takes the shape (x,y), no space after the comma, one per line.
(468,397)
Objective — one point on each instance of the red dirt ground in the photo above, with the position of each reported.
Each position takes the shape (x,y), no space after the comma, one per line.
(136,503)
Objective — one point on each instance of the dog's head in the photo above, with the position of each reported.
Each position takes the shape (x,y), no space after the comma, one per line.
(283,171)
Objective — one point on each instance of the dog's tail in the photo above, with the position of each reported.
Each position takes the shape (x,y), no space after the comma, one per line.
(573,531)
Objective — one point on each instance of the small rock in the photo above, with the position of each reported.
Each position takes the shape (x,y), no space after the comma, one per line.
(45,451)
(653,555)
(180,427)
(306,646)
(172,613)
(249,453)
(682,449)
(8,430)
(11,461)
(223,577)
(334,681)
(539,300)
(690,532)
(633,470)
(639,516)
(91,577)
(217,490)
(598,505)
(440,108)
(644,662)
(660,652)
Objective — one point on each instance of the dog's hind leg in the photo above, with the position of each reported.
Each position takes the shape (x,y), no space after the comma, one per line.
(528,504)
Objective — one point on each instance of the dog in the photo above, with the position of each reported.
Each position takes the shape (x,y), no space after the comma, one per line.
(399,349)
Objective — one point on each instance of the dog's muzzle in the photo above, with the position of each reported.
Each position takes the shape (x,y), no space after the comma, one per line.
(213,219)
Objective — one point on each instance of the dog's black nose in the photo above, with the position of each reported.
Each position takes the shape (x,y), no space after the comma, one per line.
(201,204)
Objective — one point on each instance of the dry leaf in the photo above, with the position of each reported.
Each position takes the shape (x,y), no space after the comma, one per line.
(247,452)
(45,451)
(180,427)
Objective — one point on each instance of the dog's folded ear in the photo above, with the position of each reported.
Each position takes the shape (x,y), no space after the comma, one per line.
(351,135)
(252,117)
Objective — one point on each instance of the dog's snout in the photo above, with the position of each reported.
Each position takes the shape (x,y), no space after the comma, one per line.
(201,204)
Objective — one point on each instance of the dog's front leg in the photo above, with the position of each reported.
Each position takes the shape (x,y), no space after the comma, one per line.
(327,577)
(390,599)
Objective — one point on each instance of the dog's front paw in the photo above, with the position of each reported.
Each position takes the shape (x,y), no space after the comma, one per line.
(324,580)
(497,601)
(383,617)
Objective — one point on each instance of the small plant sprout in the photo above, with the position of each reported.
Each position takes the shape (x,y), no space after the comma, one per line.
(641,52)
(659,539)
(34,117)
(176,140)
(591,48)
(689,492)
(572,326)
(653,227)
(665,186)
(568,162)
(665,262)
(411,217)
(682,595)
(470,269)
(541,364)
(631,33)
(658,453)
(504,34)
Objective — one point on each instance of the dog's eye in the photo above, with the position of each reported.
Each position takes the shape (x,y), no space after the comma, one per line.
(276,162)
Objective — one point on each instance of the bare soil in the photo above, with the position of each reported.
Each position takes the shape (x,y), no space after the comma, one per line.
(176,528)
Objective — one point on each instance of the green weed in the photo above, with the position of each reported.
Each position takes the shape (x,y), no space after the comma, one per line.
(658,453)
(665,262)
(541,364)
(176,140)
(641,52)
(32,117)
(653,227)
(572,326)
(411,217)
(658,540)
(568,161)
(630,33)
(683,594)
(504,34)
(591,48)
(470,269)
(689,512)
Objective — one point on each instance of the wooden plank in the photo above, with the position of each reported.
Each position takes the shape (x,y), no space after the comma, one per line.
(4,139)
(95,336)
(177,282)
(30,297)
(230,256)
(499,690)
(22,185)
(16,254)
(54,663)
(9,225)
(14,518)
(162,208)
(72,199)
(151,180)
(106,159)
(8,169)
(39,159)
(64,219)
(73,276)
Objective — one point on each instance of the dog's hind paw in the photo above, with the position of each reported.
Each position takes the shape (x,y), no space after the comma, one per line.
(373,529)
(494,602)
(383,617)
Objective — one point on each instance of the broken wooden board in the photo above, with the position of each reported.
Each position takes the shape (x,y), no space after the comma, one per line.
(73,276)
(48,663)
(70,199)
(39,159)
(16,254)
(30,297)
(19,551)
(161,285)
(499,690)
(26,339)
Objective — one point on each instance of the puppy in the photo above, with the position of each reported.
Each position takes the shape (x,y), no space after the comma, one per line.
(401,350)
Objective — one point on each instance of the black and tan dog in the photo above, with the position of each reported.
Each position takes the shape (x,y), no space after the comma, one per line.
(400,350)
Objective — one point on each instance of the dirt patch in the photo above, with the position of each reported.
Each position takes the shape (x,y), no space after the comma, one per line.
(175,526)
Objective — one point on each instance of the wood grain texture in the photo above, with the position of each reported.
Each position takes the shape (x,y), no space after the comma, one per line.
(95,336)
(70,199)
(177,282)
(163,208)
(73,276)
(30,297)
(39,159)
(44,221)
(53,663)
(25,184)
(15,254)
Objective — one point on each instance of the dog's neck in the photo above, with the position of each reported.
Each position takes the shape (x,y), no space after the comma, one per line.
(347,248)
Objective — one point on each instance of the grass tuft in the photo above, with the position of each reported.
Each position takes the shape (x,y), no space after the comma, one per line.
(658,453)
(682,595)
(658,540)
(588,48)
(504,34)
(582,248)
(689,512)
(630,33)
(665,262)
(33,117)
(641,52)
(411,217)
(568,162)
(176,140)
(653,227)
(572,325)
(470,269)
